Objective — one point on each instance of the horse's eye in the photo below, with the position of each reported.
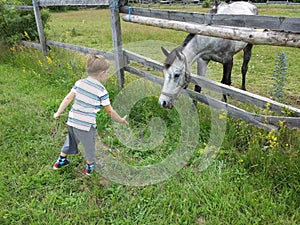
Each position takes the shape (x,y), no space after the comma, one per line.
(176,75)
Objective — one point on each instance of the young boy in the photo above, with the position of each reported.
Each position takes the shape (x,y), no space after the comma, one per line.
(89,96)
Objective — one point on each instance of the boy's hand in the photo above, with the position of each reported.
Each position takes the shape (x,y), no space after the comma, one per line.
(124,120)
(56,115)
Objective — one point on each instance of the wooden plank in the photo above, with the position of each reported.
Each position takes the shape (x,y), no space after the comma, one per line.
(235,93)
(263,22)
(152,64)
(74,2)
(31,45)
(39,24)
(81,49)
(242,96)
(214,103)
(20,7)
(289,122)
(117,41)
(256,37)
(76,48)
(143,74)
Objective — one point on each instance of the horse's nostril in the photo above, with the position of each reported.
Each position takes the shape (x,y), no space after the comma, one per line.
(164,104)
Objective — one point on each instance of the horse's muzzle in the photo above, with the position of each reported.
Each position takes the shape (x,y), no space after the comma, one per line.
(168,105)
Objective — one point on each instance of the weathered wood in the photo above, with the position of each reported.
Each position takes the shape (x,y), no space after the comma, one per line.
(143,74)
(82,49)
(39,25)
(76,48)
(74,2)
(117,41)
(243,96)
(212,102)
(152,64)
(31,45)
(264,22)
(204,82)
(289,122)
(20,7)
(256,37)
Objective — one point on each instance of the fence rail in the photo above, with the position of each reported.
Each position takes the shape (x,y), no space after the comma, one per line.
(257,37)
(73,2)
(123,57)
(268,123)
(233,92)
(264,22)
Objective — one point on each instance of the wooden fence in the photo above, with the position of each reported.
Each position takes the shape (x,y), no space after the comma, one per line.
(280,31)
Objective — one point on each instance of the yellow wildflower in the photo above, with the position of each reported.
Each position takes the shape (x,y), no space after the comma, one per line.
(272,139)
(281,123)
(69,66)
(222,116)
(26,35)
(49,60)
(40,62)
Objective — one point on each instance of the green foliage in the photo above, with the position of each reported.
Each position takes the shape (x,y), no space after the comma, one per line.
(206,4)
(16,25)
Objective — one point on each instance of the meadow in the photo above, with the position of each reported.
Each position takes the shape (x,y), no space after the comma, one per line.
(253,178)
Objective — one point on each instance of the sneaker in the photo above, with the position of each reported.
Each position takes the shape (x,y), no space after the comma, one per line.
(90,168)
(60,163)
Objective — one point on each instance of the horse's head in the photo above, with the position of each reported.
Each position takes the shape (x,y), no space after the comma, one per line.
(176,77)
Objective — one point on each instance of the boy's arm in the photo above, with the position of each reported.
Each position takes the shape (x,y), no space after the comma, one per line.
(69,97)
(113,114)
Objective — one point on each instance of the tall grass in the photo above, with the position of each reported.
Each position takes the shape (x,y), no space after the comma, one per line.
(253,180)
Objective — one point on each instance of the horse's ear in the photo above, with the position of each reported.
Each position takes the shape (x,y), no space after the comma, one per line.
(166,53)
(178,55)
(217,2)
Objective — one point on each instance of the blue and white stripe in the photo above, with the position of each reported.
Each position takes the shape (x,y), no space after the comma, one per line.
(90,95)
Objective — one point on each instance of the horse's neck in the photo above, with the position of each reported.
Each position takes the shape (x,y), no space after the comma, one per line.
(191,51)
(193,48)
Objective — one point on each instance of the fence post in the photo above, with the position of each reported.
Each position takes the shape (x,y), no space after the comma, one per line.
(39,24)
(117,40)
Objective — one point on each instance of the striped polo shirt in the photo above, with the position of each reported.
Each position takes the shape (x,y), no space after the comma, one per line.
(90,95)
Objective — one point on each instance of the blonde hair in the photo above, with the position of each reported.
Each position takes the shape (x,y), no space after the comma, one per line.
(96,64)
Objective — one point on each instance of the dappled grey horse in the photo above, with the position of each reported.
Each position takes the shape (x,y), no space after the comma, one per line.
(203,49)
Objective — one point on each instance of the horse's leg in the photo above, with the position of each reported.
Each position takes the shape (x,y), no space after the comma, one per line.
(227,68)
(247,55)
(201,70)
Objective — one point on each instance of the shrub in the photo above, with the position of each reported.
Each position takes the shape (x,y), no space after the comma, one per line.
(16,25)
(206,4)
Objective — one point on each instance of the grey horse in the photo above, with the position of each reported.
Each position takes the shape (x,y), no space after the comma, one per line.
(204,49)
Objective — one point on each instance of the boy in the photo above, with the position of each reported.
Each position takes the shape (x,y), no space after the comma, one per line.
(88,95)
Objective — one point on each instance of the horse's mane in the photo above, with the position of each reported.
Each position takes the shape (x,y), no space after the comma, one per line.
(172,56)
(187,39)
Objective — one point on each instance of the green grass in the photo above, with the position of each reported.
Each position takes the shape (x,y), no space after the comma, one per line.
(254,178)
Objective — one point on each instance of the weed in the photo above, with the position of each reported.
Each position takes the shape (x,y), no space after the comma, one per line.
(279,78)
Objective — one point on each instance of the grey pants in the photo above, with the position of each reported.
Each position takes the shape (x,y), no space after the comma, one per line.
(86,138)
